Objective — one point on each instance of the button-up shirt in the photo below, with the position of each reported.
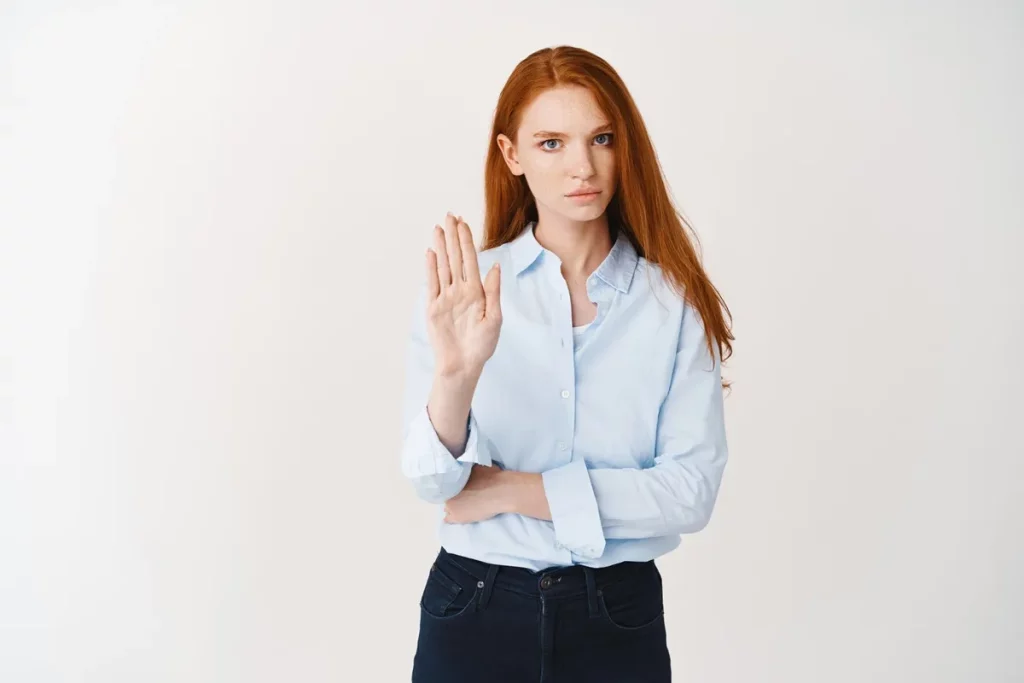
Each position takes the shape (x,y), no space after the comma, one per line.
(622,417)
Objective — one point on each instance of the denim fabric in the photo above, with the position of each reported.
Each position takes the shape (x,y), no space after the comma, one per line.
(482,622)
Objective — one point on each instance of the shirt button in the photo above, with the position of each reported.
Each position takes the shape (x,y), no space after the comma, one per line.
(565,393)
(561,445)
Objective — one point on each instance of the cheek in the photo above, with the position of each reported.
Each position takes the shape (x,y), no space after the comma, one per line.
(605,164)
(542,164)
(543,174)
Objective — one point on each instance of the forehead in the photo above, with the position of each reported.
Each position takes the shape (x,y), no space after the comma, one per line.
(565,109)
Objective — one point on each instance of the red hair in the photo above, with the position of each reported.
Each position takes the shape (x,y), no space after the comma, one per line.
(641,206)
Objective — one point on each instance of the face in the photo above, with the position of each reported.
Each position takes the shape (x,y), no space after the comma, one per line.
(564,146)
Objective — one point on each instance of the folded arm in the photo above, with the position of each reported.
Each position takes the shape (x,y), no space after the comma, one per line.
(675,496)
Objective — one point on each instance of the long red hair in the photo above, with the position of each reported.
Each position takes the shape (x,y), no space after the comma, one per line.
(641,206)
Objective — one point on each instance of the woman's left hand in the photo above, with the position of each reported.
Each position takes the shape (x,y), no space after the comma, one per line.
(484,496)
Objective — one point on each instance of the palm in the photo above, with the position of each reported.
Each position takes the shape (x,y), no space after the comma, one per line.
(463,311)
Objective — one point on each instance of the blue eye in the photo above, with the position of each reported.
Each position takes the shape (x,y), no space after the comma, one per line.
(545,146)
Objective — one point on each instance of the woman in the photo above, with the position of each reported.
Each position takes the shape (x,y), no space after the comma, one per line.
(564,405)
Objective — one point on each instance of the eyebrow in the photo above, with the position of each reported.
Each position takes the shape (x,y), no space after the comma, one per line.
(554,134)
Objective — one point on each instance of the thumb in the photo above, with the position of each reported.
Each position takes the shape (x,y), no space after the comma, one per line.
(492,292)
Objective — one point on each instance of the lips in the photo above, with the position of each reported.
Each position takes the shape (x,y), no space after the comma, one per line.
(583,192)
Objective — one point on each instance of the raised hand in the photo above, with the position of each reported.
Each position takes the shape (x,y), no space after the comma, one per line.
(463,312)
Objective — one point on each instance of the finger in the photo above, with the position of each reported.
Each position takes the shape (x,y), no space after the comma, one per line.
(444,275)
(471,267)
(451,234)
(433,284)
(492,293)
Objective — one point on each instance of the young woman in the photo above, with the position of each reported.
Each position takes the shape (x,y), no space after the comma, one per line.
(564,405)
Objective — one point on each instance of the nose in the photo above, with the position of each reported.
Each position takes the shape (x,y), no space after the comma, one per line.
(580,164)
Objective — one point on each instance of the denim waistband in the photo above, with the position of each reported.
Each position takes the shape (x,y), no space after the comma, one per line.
(554,582)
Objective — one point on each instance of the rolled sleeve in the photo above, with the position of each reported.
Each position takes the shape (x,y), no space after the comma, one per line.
(676,495)
(435,472)
(574,511)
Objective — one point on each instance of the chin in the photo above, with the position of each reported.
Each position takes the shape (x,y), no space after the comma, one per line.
(585,213)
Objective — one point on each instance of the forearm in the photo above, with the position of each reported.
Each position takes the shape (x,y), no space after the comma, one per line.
(589,506)
(448,409)
(524,495)
(442,440)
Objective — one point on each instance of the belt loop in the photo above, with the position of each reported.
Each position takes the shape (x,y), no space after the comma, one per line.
(591,591)
(487,584)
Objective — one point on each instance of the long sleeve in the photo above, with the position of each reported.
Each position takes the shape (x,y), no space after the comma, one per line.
(674,496)
(436,473)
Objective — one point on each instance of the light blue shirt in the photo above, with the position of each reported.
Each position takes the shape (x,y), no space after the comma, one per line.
(623,418)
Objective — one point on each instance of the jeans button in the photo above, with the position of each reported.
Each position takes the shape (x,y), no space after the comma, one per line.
(545,582)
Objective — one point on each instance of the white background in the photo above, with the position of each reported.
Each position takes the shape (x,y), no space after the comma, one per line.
(212,222)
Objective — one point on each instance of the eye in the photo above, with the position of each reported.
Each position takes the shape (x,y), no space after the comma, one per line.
(604,135)
(543,145)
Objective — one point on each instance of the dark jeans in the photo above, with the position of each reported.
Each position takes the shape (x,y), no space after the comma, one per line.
(484,623)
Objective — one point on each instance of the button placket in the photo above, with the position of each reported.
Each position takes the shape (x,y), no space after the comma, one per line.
(569,378)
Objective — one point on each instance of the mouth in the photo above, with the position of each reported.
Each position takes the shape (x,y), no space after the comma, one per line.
(584,195)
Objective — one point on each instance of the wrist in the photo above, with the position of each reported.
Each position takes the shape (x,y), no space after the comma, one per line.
(453,392)
(516,490)
(457,382)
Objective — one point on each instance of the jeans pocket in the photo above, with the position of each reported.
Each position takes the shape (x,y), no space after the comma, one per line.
(444,597)
(631,605)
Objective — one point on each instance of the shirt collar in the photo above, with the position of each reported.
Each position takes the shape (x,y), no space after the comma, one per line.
(617,269)
(525,249)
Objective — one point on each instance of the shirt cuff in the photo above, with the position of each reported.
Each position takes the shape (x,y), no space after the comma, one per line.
(424,455)
(574,510)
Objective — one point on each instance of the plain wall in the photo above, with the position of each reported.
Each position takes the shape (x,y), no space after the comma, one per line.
(212,222)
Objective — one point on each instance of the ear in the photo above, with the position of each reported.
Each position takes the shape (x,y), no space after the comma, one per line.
(508,153)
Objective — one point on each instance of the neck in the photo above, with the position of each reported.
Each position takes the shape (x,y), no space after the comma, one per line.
(581,246)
